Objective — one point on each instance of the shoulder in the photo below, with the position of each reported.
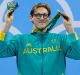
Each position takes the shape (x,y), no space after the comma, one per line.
(20,36)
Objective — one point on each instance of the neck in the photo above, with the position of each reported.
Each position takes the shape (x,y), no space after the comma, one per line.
(43,31)
(39,30)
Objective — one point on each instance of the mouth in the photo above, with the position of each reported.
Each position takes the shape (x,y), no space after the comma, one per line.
(42,22)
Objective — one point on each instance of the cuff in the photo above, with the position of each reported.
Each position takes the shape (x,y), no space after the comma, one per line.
(2,36)
(76,36)
(73,36)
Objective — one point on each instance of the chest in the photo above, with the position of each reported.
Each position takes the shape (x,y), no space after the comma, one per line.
(41,44)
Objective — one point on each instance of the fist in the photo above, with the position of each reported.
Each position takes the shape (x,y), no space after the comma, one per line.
(67,23)
(9,17)
(8,21)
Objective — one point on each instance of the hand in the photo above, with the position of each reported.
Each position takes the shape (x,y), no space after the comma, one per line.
(9,16)
(67,23)
(8,20)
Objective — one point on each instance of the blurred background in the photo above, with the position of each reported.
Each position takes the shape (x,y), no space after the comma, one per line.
(22,25)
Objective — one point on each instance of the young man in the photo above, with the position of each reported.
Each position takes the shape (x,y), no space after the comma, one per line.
(41,52)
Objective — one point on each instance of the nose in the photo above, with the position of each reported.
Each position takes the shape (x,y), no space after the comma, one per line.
(42,17)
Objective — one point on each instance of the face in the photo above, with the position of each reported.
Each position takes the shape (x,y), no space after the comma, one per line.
(40,18)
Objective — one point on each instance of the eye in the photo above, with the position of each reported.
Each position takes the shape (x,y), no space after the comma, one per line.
(45,15)
(38,15)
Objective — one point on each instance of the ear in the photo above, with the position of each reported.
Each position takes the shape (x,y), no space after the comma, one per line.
(31,19)
(49,17)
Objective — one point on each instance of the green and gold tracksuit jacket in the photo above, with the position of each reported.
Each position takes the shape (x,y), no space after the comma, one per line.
(41,54)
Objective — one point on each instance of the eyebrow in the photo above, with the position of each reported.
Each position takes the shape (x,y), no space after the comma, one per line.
(41,13)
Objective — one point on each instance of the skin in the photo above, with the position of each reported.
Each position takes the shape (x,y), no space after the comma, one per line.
(38,23)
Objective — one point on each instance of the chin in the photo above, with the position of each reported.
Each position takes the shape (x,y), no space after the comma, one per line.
(41,27)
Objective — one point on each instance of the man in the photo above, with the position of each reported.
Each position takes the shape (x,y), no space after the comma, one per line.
(41,52)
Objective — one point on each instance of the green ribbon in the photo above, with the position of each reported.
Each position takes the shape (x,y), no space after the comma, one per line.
(51,24)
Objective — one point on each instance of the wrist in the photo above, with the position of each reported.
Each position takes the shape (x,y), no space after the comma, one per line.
(6,27)
(75,35)
(70,31)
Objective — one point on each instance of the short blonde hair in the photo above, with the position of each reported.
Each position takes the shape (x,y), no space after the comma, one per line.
(40,5)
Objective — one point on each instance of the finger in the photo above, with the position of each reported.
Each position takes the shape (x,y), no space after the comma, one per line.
(10,12)
(63,20)
(11,9)
(65,16)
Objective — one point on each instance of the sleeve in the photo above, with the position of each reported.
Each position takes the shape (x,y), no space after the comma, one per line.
(71,46)
(10,48)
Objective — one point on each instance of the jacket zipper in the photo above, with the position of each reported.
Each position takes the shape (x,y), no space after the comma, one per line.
(42,52)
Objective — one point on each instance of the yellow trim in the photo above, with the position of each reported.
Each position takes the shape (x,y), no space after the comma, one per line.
(76,36)
(2,36)
(35,30)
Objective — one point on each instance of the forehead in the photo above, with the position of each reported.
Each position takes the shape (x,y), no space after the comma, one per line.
(41,10)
